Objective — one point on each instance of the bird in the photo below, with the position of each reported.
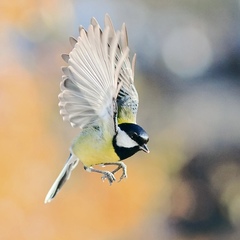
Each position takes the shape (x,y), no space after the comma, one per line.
(98,96)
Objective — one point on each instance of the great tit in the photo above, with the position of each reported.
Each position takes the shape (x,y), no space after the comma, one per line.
(98,96)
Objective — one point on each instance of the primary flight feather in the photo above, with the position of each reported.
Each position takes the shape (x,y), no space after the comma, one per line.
(98,96)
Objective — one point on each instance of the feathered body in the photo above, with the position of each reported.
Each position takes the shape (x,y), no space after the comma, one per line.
(99,151)
(98,96)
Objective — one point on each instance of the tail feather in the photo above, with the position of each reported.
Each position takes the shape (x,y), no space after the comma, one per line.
(62,178)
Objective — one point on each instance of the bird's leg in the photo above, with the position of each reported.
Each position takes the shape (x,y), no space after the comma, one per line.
(120,165)
(106,174)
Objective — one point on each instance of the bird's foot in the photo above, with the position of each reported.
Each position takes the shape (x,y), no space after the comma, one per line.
(109,176)
(122,166)
(124,175)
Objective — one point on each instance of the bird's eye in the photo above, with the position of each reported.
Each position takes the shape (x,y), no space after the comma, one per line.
(133,135)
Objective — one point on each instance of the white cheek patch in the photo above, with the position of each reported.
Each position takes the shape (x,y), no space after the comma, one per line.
(123,140)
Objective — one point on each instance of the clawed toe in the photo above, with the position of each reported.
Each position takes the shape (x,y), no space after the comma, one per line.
(109,176)
(124,175)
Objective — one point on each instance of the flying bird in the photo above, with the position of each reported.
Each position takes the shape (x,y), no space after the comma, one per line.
(99,97)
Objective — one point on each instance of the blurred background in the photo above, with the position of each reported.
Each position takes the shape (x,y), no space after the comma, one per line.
(187,75)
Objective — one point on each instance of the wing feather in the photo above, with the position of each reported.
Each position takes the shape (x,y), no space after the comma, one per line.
(127,99)
(72,41)
(65,57)
(91,82)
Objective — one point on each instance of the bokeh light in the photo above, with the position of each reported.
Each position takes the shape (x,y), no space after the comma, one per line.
(187,52)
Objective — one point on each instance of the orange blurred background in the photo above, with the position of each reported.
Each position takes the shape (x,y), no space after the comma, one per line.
(182,122)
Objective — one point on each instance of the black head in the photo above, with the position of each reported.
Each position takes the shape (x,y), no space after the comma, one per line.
(130,139)
(136,133)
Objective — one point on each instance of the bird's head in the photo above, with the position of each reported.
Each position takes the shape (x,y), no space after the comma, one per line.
(130,139)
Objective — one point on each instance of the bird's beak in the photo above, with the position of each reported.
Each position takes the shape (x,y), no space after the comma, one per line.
(144,148)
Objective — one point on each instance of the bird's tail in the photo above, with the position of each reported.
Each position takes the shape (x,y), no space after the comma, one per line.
(62,177)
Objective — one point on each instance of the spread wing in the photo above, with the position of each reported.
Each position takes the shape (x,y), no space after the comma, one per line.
(91,81)
(127,99)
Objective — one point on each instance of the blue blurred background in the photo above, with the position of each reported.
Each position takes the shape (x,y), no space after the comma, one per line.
(188,79)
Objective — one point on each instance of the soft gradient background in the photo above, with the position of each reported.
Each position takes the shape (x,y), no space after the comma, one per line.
(187,75)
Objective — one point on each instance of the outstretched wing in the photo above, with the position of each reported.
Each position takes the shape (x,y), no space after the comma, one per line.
(127,99)
(91,82)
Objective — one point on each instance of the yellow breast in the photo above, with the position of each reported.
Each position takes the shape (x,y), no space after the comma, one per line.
(93,148)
